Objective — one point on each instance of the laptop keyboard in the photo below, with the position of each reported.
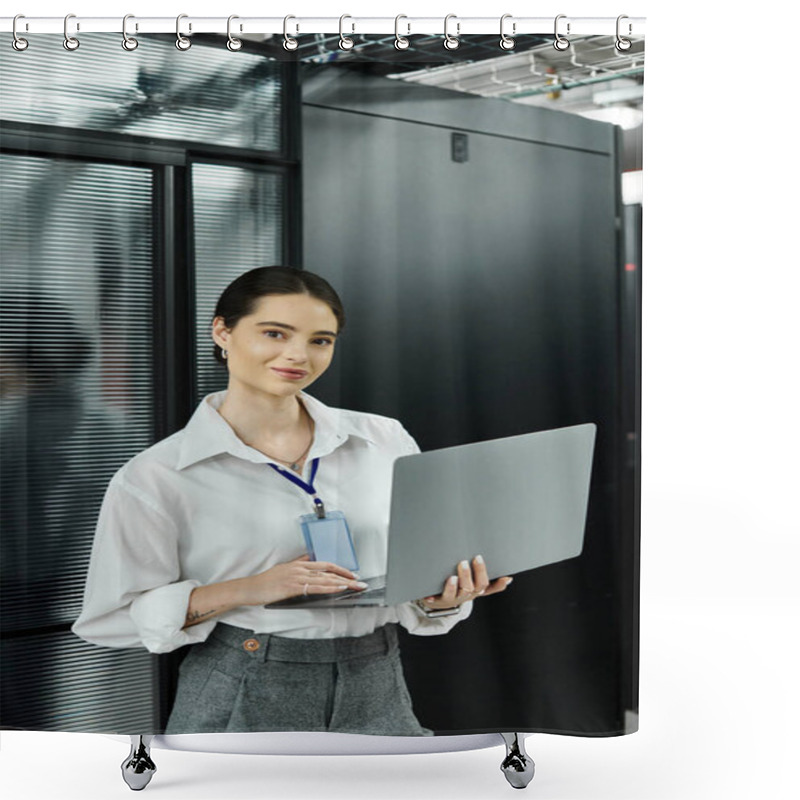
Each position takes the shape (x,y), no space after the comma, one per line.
(376,586)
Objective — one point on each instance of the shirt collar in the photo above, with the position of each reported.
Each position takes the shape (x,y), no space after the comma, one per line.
(208,434)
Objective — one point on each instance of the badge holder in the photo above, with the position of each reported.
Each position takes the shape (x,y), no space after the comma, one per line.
(328,539)
(326,534)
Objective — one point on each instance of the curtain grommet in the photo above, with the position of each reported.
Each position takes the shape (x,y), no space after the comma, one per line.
(19,44)
(71,43)
(561,43)
(345,42)
(182,42)
(622,44)
(401,42)
(289,43)
(507,42)
(233,44)
(451,42)
(129,44)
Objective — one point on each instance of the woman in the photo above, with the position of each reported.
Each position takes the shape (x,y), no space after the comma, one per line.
(200,531)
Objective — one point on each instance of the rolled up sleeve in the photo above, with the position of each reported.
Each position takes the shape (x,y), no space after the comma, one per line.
(134,595)
(415,621)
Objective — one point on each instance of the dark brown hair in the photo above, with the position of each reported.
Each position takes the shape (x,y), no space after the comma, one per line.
(240,297)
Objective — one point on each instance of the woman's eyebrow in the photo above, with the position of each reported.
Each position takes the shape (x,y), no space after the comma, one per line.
(292,328)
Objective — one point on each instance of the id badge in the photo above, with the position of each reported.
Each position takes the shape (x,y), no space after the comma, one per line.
(328,539)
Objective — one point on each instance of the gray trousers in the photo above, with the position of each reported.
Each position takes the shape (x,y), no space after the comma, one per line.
(238,680)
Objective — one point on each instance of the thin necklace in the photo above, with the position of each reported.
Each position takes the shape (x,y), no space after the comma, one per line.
(295,464)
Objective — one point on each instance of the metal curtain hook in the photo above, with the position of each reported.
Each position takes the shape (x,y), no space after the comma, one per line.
(128,42)
(507,42)
(70,42)
(622,44)
(451,42)
(400,42)
(232,44)
(19,44)
(288,42)
(345,42)
(181,41)
(560,42)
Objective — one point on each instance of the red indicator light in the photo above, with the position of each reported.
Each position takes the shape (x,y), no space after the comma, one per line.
(630,268)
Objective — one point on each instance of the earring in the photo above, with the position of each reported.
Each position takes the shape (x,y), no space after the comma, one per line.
(224,353)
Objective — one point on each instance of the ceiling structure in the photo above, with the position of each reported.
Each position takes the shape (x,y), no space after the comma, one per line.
(591,77)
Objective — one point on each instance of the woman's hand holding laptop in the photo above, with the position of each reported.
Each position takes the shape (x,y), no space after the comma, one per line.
(468,583)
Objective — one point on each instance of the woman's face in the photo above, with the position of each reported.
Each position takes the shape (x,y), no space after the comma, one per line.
(282,347)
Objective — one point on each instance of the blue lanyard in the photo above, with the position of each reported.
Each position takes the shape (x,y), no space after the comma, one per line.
(308,488)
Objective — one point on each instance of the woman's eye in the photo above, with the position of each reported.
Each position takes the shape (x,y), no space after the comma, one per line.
(281,334)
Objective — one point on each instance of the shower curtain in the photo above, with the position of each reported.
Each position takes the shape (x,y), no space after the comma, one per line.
(475,211)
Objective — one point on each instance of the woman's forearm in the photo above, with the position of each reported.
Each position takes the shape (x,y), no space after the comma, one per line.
(209,601)
(288,579)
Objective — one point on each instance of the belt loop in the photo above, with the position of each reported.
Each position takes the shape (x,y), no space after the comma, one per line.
(264,639)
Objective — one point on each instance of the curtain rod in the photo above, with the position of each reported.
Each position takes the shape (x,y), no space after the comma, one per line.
(348,25)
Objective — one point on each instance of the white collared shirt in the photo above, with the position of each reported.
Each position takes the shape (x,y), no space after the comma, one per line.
(201,507)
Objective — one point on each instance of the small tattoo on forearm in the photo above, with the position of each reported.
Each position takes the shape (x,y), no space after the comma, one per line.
(196,616)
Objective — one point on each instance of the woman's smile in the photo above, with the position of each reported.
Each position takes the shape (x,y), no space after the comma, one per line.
(290,374)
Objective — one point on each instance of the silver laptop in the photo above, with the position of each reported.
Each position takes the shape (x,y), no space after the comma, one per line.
(519,501)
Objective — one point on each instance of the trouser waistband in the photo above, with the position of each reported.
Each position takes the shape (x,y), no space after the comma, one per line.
(267,646)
